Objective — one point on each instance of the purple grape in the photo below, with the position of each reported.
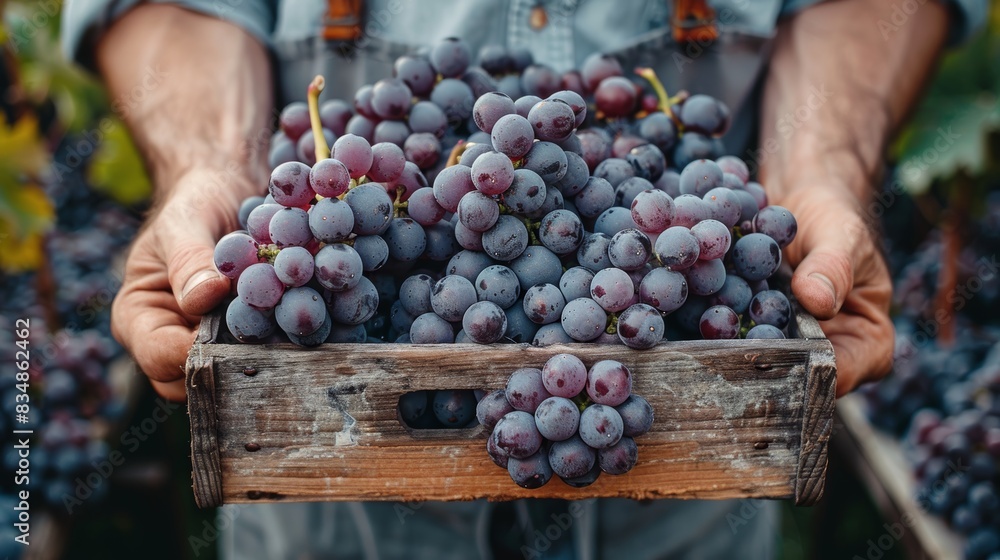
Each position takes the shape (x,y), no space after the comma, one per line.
(557,418)
(247,324)
(391,98)
(525,390)
(423,149)
(571,458)
(290,227)
(450,57)
(735,294)
(629,250)
(640,326)
(492,173)
(564,375)
(235,252)
(756,256)
(543,303)
(613,220)
(354,152)
(512,136)
(455,98)
(516,434)
(338,267)
(600,426)
(372,209)
(724,206)
(424,208)
(705,278)
(329,178)
(552,121)
(334,115)
(454,408)
(468,264)
(637,416)
(289,184)
(294,266)
(551,334)
(492,408)
(765,331)
(664,289)
(526,193)
(652,211)
(677,248)
(499,456)
(428,117)
(689,210)
(388,162)
(704,114)
(609,383)
(451,185)
(331,220)
(647,160)
(531,472)
(301,311)
(615,97)
(451,297)
(612,289)
(593,252)
(619,458)
(294,120)
(489,108)
(355,305)
(597,196)
(561,231)
(777,223)
(719,322)
(770,307)
(714,239)
(506,240)
(484,322)
(499,285)
(428,328)
(700,176)
(416,72)
(583,319)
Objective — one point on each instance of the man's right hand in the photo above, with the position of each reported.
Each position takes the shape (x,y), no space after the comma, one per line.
(170,278)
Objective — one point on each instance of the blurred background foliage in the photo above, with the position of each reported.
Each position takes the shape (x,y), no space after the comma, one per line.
(47,103)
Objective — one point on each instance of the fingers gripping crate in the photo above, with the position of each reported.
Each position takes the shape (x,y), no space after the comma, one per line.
(733,419)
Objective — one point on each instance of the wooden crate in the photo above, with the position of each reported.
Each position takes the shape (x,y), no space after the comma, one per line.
(734,419)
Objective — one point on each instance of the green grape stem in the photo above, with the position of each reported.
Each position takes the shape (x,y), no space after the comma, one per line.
(267,253)
(316,88)
(612,324)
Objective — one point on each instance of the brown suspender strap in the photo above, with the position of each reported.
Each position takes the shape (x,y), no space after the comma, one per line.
(693,21)
(343,20)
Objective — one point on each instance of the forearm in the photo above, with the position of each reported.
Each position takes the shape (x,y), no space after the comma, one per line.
(196,94)
(839,84)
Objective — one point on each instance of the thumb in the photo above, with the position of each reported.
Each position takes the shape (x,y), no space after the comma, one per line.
(823,278)
(189,255)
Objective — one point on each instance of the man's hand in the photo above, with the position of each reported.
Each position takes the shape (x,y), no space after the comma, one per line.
(842,280)
(836,90)
(171,280)
(203,132)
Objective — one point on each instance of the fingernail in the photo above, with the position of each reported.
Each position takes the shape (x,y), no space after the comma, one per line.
(825,280)
(197,280)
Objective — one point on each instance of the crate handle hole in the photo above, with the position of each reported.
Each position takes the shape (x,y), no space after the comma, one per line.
(452,410)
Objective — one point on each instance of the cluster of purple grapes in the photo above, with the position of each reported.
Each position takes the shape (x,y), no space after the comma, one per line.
(943,400)
(565,420)
(534,231)
(72,401)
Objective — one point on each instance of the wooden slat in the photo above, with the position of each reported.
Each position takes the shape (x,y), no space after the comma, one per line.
(321,424)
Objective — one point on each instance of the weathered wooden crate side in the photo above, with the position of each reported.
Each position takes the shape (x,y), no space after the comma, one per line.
(743,419)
